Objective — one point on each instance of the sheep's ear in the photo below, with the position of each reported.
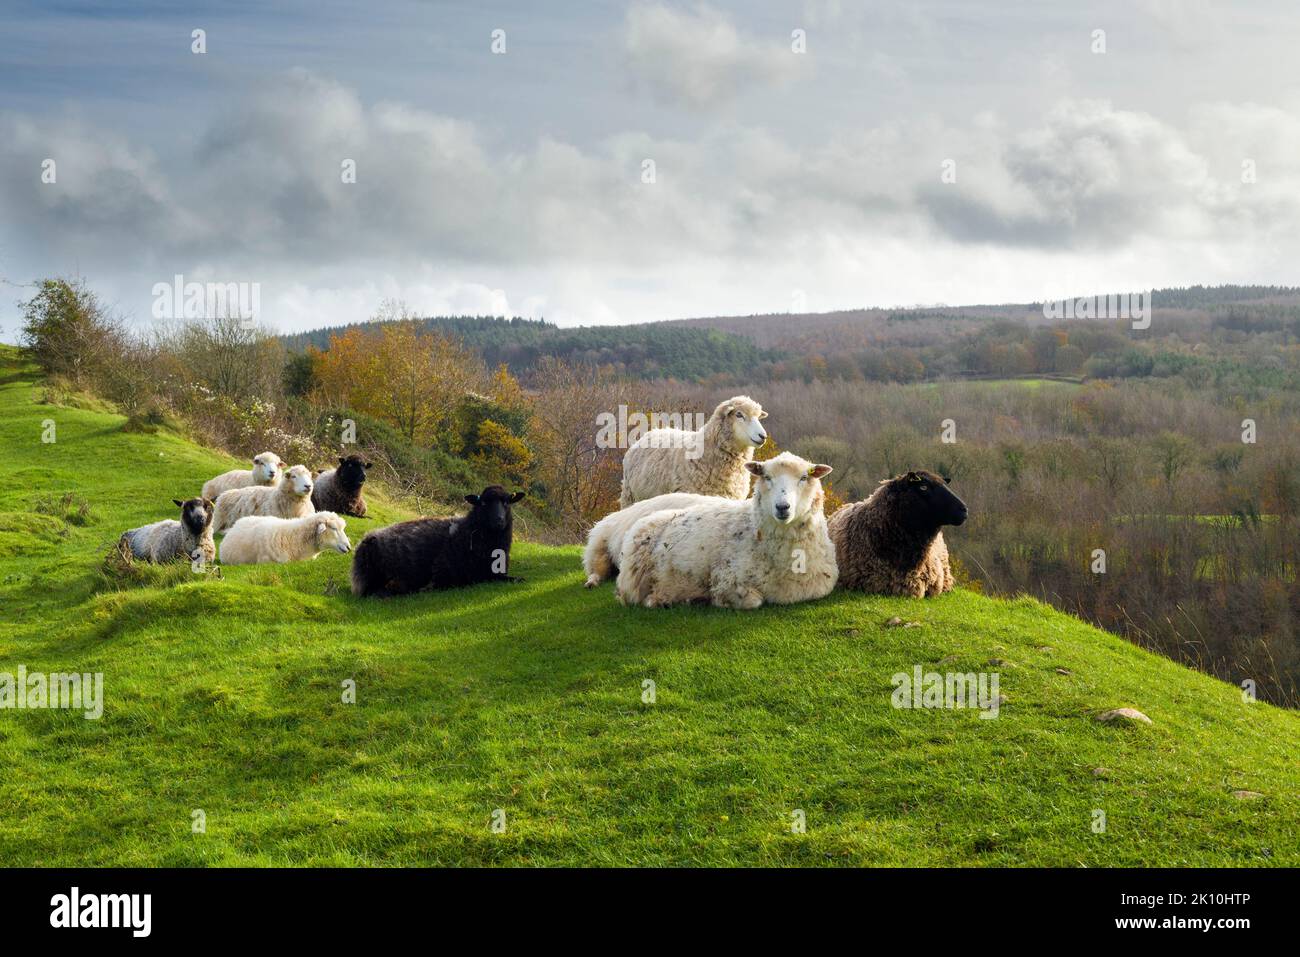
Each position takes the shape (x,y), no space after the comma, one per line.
(817,471)
(367,465)
(762,415)
(209,503)
(516,497)
(178,503)
(341,460)
(755,468)
(913,477)
(472,499)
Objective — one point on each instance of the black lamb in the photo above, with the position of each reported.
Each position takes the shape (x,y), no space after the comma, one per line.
(438,552)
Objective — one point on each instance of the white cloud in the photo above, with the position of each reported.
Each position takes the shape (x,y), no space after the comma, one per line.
(699,58)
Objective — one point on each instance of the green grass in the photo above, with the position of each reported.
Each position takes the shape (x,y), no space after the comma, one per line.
(224,694)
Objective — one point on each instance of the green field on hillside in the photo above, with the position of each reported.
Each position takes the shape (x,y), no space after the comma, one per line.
(524,703)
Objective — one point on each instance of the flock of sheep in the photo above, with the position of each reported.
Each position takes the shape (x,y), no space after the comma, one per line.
(688,528)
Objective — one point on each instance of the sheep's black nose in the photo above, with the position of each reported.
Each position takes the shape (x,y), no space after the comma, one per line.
(782,511)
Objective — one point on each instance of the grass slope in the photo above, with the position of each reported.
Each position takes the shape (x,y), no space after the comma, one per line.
(225,695)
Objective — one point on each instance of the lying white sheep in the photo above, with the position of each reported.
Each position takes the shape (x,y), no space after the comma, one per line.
(291,498)
(771,548)
(605,540)
(267,469)
(256,539)
(710,461)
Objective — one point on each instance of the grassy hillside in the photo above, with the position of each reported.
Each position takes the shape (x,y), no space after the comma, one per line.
(224,694)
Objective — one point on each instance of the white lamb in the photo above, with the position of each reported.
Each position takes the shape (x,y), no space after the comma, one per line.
(291,498)
(738,554)
(605,540)
(267,469)
(256,539)
(710,461)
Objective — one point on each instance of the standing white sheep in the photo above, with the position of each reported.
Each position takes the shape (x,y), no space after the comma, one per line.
(605,540)
(267,469)
(256,539)
(291,498)
(710,461)
(738,554)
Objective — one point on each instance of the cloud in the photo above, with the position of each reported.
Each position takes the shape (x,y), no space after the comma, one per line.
(447,215)
(1093,175)
(699,59)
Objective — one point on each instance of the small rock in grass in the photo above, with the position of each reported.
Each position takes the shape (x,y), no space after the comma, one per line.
(911,624)
(1246,795)
(1000,663)
(1064,671)
(1100,772)
(947,659)
(1128,714)
(1046,648)
(894,622)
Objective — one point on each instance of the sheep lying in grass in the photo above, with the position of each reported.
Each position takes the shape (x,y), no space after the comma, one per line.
(291,498)
(710,461)
(257,539)
(165,541)
(339,489)
(891,543)
(772,547)
(439,552)
(605,540)
(267,469)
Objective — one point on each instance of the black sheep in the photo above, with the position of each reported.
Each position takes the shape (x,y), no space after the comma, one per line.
(339,489)
(438,552)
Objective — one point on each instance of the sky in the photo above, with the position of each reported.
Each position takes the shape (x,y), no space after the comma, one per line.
(612,162)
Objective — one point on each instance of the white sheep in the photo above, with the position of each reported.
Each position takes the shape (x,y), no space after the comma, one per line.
(267,469)
(771,548)
(256,539)
(291,498)
(605,540)
(710,461)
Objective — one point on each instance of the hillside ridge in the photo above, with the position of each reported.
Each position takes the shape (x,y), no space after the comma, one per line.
(527,704)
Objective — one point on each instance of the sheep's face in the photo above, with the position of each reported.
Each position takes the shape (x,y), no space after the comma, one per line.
(267,468)
(196,514)
(299,479)
(331,534)
(351,471)
(928,500)
(787,488)
(492,507)
(743,416)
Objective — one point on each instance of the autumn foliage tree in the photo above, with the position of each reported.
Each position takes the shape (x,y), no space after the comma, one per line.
(400,374)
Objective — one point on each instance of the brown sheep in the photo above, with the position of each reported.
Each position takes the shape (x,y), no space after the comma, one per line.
(891,543)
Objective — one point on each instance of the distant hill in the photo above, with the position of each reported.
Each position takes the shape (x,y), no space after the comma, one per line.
(894,344)
(646,350)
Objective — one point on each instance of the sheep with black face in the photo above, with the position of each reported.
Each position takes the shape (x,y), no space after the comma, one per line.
(339,489)
(891,543)
(439,552)
(168,540)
